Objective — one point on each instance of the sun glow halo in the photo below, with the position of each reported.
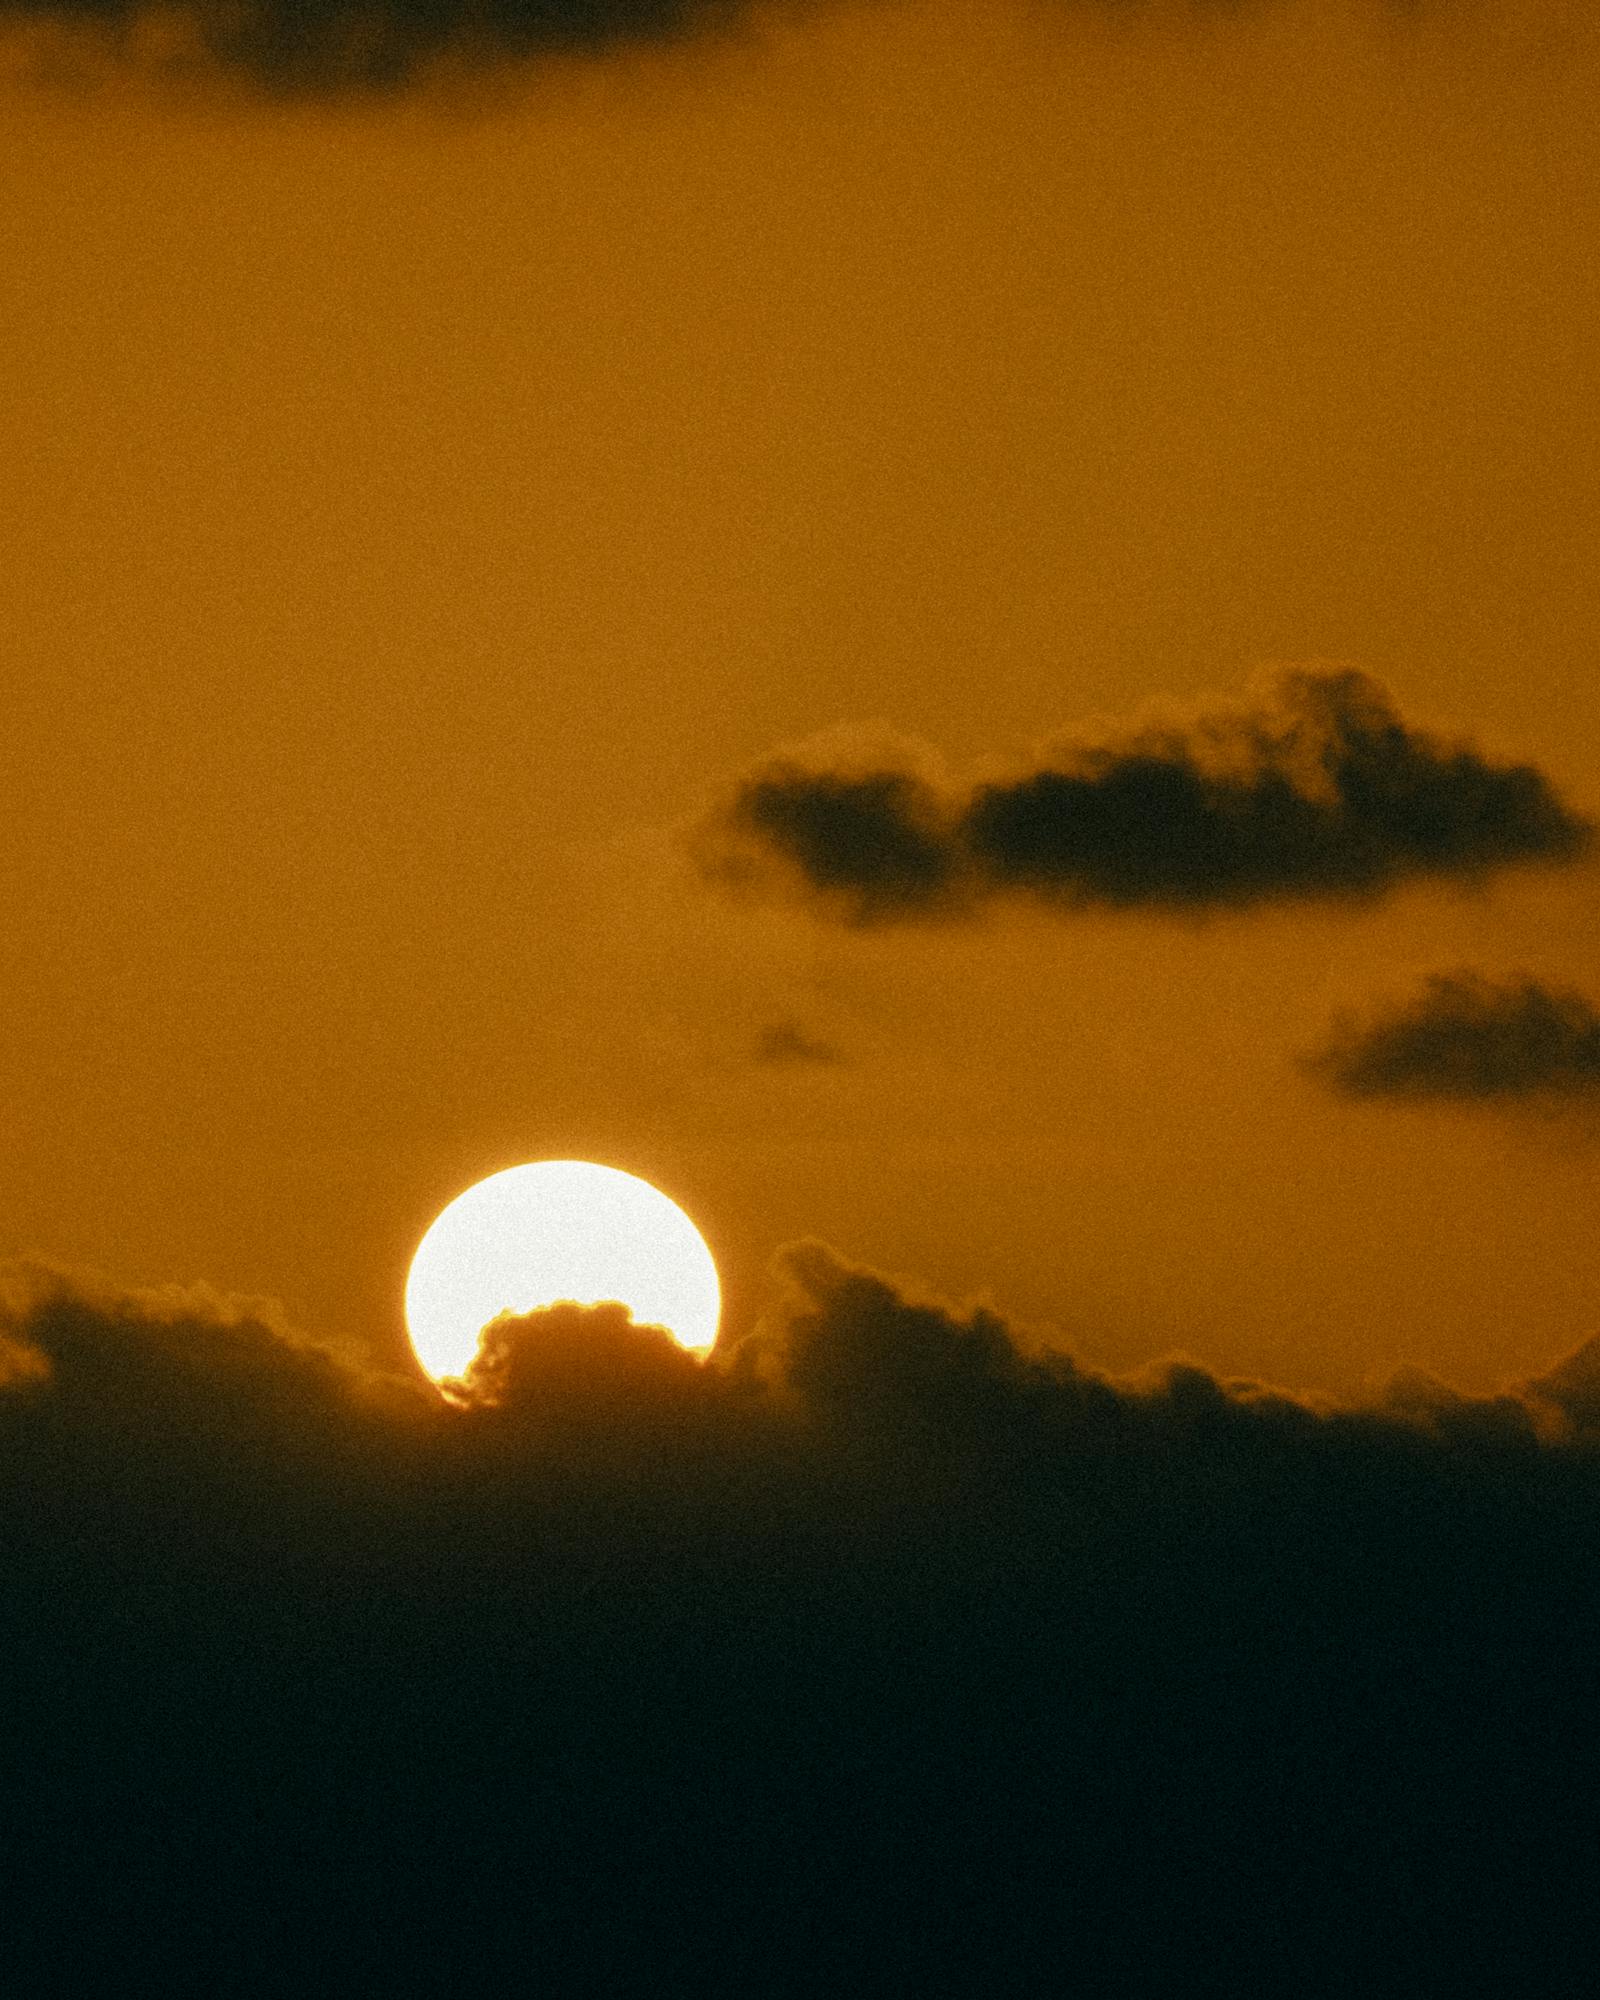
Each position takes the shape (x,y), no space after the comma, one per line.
(549,1232)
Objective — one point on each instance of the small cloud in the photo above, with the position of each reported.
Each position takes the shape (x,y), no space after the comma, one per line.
(327,45)
(1314,789)
(787,1045)
(1468,1038)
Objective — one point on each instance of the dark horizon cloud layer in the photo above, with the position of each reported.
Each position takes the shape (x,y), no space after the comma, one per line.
(1315,789)
(1467,1037)
(886,1652)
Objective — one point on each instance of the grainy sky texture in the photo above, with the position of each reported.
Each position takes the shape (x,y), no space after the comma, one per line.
(964,633)
(424,505)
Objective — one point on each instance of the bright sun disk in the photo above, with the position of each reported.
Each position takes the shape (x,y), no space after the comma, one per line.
(554,1231)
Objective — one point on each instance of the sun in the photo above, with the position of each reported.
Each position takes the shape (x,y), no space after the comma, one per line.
(549,1232)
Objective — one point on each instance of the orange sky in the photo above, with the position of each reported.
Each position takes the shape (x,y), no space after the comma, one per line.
(414,509)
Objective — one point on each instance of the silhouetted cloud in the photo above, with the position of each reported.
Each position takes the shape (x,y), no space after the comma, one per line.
(786,1044)
(887,1646)
(343,44)
(571,1362)
(1317,788)
(1469,1037)
(1572,1388)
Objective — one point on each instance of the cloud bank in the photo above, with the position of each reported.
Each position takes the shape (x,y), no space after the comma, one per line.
(1468,1037)
(1315,789)
(886,1651)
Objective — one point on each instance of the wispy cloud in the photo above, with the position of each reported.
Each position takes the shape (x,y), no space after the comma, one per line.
(787,1045)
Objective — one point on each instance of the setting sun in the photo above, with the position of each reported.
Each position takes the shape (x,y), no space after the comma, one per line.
(553,1231)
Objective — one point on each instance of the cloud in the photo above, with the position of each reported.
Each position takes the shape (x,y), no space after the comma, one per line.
(170,1356)
(294,46)
(1468,1037)
(787,1045)
(1572,1389)
(891,1644)
(1316,788)
(571,1363)
(333,44)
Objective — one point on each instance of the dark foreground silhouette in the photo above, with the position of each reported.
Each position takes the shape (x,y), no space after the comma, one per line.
(884,1659)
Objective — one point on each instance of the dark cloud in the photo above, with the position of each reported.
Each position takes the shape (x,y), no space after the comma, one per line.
(333,44)
(1468,1037)
(1315,789)
(1572,1389)
(343,45)
(786,1044)
(889,1651)
(872,843)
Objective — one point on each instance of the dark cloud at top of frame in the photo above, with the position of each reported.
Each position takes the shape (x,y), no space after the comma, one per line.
(1316,789)
(886,1648)
(322,45)
(1468,1037)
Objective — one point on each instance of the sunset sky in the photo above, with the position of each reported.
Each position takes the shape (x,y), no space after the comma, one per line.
(421,502)
(963,633)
